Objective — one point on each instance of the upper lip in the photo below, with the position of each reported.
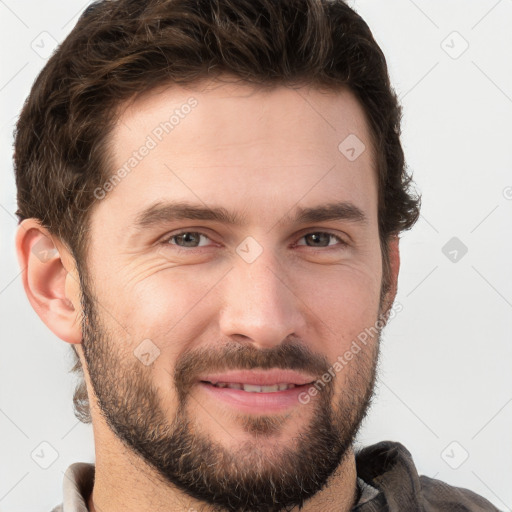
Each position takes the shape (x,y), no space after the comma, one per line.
(259,377)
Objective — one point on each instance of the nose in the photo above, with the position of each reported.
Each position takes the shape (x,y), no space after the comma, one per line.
(259,304)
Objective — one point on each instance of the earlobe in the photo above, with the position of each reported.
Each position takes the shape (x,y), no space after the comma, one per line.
(394,268)
(394,261)
(50,280)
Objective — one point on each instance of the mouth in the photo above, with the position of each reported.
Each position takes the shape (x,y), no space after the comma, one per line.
(252,388)
(259,392)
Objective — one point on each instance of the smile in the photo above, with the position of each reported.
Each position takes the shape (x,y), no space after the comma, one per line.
(252,388)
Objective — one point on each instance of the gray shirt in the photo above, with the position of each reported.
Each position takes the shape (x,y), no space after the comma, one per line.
(387,481)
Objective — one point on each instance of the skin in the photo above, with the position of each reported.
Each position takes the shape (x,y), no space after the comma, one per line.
(261,155)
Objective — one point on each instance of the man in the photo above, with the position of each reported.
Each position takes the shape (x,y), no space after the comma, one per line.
(211,196)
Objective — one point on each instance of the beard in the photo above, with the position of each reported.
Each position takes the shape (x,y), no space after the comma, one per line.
(249,476)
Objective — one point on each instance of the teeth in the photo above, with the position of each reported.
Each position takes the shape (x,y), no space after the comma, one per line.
(251,388)
(260,389)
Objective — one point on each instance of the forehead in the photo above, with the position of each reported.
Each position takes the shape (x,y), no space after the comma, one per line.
(223,142)
(239,112)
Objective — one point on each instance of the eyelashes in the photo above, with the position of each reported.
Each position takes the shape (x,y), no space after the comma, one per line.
(197,237)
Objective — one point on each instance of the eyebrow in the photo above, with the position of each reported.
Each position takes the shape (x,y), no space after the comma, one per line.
(160,213)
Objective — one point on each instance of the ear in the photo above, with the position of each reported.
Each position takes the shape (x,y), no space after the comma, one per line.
(50,279)
(393,270)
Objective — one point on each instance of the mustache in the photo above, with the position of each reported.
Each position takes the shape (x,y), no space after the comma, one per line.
(236,356)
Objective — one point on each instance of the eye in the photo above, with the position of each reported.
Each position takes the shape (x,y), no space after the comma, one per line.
(189,239)
(321,239)
(194,239)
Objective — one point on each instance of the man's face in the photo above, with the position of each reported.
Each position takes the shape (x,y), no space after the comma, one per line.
(181,301)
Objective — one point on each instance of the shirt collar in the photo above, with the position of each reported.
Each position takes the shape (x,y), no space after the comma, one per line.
(77,486)
(79,480)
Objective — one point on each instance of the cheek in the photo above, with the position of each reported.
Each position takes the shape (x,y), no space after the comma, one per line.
(342,303)
(349,343)
(166,314)
(170,307)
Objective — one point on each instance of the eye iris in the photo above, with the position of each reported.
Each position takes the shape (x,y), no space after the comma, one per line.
(190,239)
(319,237)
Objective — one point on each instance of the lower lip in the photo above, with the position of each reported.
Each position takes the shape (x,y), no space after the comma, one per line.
(254,402)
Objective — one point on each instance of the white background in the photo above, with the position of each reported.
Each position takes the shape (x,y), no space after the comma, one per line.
(445,386)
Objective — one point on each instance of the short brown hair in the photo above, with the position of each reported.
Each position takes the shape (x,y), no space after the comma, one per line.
(120,49)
